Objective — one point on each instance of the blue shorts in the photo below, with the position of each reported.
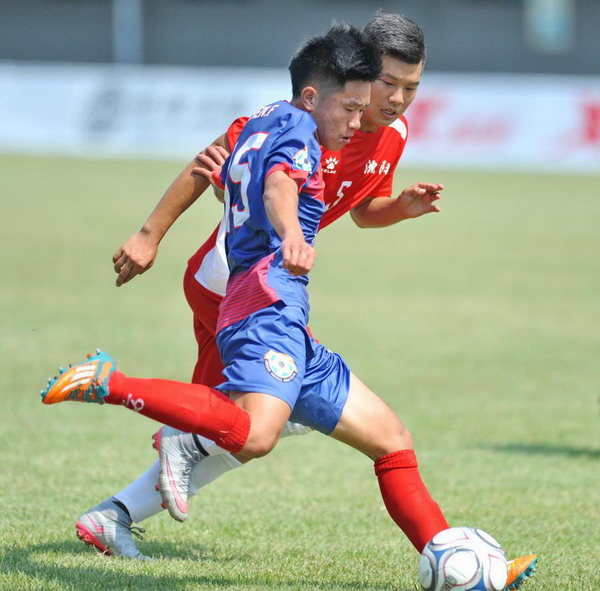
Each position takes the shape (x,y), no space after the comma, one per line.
(272,352)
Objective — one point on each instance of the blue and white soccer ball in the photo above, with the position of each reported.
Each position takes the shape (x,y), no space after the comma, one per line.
(463,559)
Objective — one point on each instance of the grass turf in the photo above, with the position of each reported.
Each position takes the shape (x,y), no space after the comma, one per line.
(479,326)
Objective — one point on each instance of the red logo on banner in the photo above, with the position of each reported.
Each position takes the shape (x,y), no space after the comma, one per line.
(420,115)
(590,131)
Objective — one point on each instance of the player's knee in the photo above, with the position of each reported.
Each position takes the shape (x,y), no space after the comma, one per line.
(396,437)
(405,438)
(258,446)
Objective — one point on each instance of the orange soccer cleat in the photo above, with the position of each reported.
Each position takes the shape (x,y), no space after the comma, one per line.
(520,569)
(84,382)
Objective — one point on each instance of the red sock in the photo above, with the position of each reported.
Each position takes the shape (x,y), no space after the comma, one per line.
(407,500)
(193,408)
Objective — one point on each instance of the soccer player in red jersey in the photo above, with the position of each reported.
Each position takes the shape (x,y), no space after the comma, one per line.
(358,179)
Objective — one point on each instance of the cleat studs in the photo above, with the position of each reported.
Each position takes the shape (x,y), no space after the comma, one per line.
(163,505)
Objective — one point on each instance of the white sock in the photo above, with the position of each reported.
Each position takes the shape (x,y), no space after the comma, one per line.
(210,469)
(220,461)
(295,429)
(143,500)
(141,497)
(209,446)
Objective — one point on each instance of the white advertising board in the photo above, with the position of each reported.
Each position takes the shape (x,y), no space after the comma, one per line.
(458,120)
(127,110)
(506,121)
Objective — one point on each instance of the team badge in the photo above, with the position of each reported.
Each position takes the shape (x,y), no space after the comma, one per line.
(280,366)
(301,160)
(330,164)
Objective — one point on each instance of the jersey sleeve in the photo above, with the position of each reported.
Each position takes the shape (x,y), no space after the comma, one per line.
(233,131)
(393,154)
(232,134)
(294,153)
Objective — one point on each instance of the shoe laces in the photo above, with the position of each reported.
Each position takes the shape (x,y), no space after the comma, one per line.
(133,529)
(126,545)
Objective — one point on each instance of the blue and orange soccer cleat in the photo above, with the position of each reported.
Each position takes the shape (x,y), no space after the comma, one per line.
(84,382)
(520,569)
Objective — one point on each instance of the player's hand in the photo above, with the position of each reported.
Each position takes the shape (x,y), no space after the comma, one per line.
(419,199)
(134,257)
(209,161)
(298,255)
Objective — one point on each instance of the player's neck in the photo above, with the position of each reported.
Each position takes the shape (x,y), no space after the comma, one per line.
(367,127)
(298,104)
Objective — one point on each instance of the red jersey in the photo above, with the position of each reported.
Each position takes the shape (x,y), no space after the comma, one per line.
(363,169)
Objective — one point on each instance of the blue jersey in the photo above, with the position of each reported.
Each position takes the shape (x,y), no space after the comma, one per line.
(277,137)
(261,330)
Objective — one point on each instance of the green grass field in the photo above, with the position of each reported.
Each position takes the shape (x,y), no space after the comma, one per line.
(479,326)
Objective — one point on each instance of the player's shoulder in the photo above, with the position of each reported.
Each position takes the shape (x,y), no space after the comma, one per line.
(398,129)
(235,129)
(282,122)
(281,113)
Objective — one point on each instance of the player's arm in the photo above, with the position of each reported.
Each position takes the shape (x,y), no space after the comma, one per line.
(281,204)
(414,201)
(138,253)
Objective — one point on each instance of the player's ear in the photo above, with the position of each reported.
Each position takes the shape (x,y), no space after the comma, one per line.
(309,98)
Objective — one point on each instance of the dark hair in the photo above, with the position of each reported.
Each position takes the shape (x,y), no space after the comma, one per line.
(329,61)
(397,36)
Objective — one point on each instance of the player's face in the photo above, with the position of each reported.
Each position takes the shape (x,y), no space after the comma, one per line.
(392,93)
(338,115)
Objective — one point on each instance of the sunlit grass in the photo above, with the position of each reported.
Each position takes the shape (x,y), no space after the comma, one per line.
(478,325)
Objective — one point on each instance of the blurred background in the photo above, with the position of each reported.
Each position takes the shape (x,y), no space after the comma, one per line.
(509,83)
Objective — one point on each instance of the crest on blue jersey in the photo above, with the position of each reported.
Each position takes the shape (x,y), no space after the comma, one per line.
(301,160)
(280,366)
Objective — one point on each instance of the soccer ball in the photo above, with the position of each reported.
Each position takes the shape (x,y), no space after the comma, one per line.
(463,559)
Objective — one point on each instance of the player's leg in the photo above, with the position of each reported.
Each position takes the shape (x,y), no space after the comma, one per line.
(141,499)
(109,525)
(338,404)
(369,425)
(205,308)
(189,407)
(195,470)
(269,417)
(180,452)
